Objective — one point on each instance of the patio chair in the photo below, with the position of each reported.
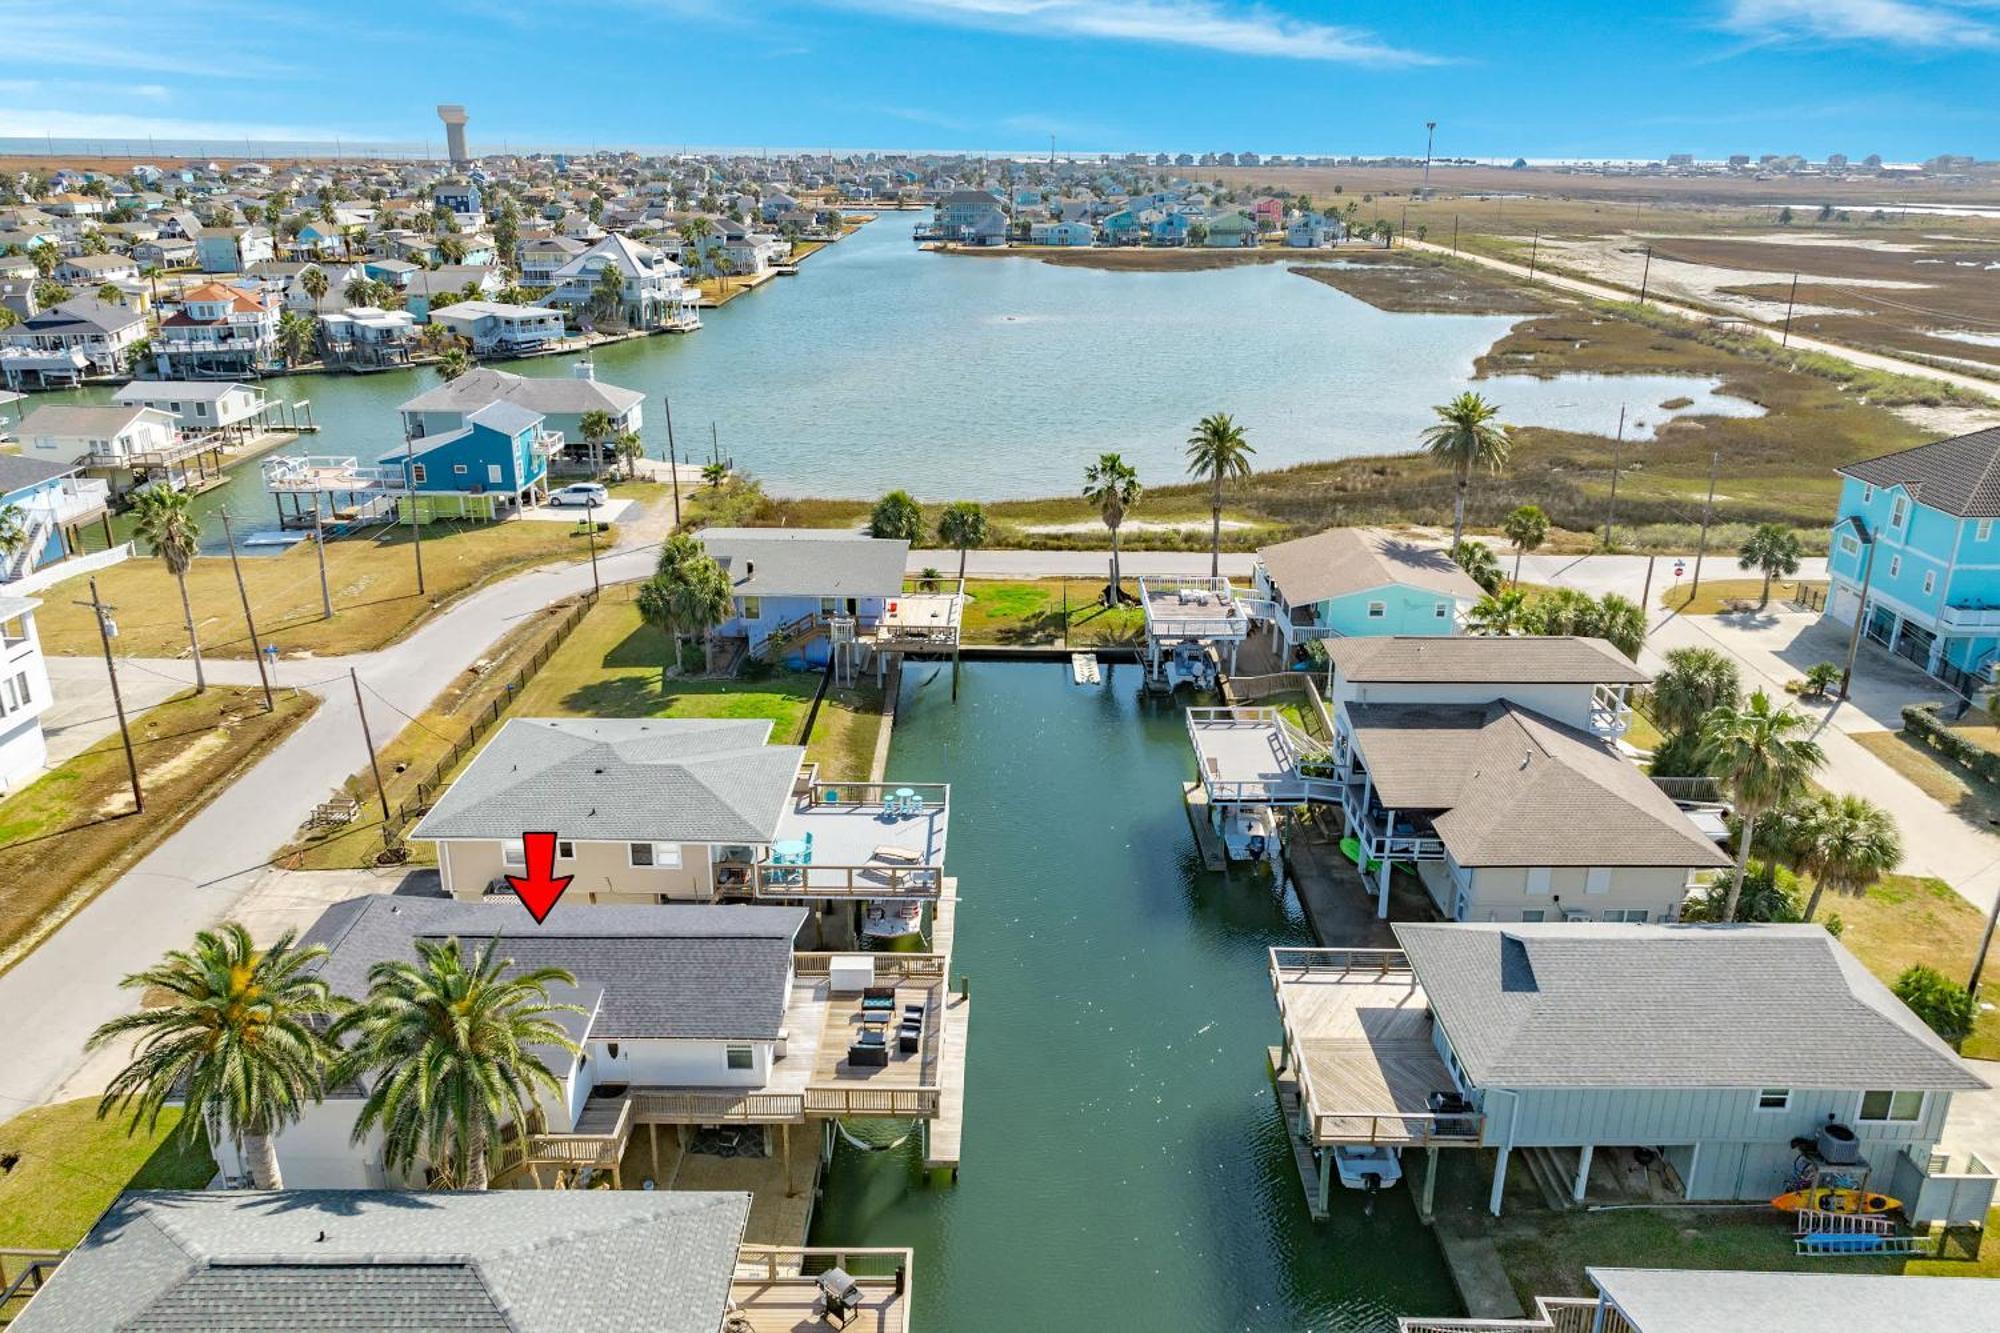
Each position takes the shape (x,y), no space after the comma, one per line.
(869,1051)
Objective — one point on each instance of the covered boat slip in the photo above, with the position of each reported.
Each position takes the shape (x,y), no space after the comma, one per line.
(1360,1061)
(1186,617)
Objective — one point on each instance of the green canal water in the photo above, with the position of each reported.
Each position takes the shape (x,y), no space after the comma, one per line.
(1124,1167)
(880,365)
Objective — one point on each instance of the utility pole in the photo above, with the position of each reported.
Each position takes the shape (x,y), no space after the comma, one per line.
(1611,509)
(590,519)
(1860,608)
(249,622)
(319,544)
(1645,274)
(374,764)
(1707,515)
(673,462)
(105,629)
(1985,943)
(1790,301)
(1646,597)
(1454,233)
(1430,137)
(416,528)
(1534,253)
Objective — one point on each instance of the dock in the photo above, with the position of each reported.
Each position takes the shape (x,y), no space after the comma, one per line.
(1083,669)
(1205,837)
(944,920)
(1288,1113)
(942,1142)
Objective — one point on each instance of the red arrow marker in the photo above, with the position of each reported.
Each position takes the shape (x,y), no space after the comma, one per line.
(541,888)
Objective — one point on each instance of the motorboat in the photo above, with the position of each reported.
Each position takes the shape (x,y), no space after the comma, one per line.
(1367,1166)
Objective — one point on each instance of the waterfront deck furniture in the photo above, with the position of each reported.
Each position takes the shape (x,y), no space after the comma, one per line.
(839,1297)
(901,856)
(870,1050)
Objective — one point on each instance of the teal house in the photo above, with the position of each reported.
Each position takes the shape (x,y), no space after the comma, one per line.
(501,453)
(1362,581)
(1916,556)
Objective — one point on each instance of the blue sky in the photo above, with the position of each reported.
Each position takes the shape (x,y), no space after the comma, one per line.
(1561,78)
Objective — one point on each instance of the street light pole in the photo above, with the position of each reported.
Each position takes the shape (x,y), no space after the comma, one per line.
(416,528)
(319,543)
(103,613)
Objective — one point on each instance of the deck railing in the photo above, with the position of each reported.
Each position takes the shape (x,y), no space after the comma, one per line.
(674,1106)
(847,795)
(1554,1314)
(911,967)
(861,1100)
(22,1274)
(771,1262)
(790,883)
(571,1149)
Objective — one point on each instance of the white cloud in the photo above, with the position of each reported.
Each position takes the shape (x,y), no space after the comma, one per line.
(1906,23)
(34,123)
(1205,24)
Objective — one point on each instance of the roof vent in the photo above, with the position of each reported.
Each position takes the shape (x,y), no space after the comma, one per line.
(598,772)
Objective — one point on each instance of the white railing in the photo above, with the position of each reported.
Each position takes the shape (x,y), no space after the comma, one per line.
(49,575)
(79,497)
(1969,617)
(1554,1314)
(1192,608)
(1383,844)
(36,540)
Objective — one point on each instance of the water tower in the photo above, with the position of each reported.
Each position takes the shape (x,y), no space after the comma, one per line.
(454,134)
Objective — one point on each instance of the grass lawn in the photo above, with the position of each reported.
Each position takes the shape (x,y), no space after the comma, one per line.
(72,1165)
(66,836)
(1023,612)
(1716,594)
(1908,919)
(1971,798)
(417,748)
(610,667)
(373,579)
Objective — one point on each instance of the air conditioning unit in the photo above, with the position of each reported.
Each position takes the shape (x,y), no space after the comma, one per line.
(1837,1145)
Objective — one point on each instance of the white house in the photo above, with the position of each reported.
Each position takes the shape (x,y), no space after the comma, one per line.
(101,435)
(61,345)
(198,405)
(24,694)
(655,294)
(219,331)
(96,270)
(496,328)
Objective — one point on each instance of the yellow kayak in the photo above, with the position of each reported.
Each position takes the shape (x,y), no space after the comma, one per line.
(1835,1201)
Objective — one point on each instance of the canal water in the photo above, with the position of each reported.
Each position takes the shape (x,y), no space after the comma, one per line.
(1124,1166)
(963,377)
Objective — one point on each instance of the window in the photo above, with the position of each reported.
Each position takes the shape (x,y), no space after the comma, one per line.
(1534,914)
(658,855)
(1633,916)
(1442,610)
(829,606)
(753,608)
(1597,880)
(1849,545)
(1984,530)
(1377,610)
(566,850)
(200,409)
(21,689)
(1538,879)
(1895,565)
(1774,1099)
(458,469)
(512,852)
(740,1057)
(493,474)
(1930,580)
(417,474)
(1899,511)
(1892,1105)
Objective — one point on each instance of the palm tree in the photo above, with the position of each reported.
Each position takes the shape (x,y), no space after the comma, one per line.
(607,297)
(449,1047)
(1621,622)
(1479,563)
(1845,843)
(166,523)
(360,290)
(13,533)
(1757,750)
(1773,549)
(1499,612)
(962,524)
(1695,683)
(1467,436)
(295,338)
(688,594)
(597,426)
(452,362)
(236,1044)
(1113,489)
(451,249)
(715,473)
(1527,528)
(313,283)
(897,517)
(1218,452)
(628,449)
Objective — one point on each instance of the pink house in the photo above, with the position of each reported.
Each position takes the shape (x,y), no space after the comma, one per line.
(1270,214)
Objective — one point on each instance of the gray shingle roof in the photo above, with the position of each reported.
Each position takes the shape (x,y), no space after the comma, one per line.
(90,421)
(1961,475)
(1521,789)
(1590,1005)
(306,1261)
(695,972)
(18,473)
(551,395)
(1340,561)
(794,563)
(622,780)
(1671,1300)
(1487,659)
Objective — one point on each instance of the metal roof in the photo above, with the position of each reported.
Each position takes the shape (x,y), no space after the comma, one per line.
(622,780)
(1591,1005)
(306,1261)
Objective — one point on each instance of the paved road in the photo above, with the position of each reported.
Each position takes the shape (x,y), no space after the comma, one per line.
(1607,292)
(1076,564)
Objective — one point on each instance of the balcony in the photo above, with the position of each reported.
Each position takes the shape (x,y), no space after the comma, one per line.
(1389,834)
(1255,756)
(1553,1314)
(77,499)
(1969,617)
(846,840)
(1610,712)
(1200,609)
(777,1289)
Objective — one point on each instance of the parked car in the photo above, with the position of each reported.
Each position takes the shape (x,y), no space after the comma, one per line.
(587,494)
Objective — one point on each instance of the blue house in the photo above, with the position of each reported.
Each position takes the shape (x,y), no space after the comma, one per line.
(1362,581)
(1916,532)
(500,452)
(1123,228)
(786,584)
(50,502)
(1171,229)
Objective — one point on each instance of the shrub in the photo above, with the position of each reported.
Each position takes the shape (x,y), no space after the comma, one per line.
(694,659)
(1770,893)
(756,668)
(1819,679)
(1944,1005)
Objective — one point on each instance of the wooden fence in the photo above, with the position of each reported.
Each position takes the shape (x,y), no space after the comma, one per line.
(428,786)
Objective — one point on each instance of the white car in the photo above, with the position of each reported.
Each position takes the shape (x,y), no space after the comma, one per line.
(587,494)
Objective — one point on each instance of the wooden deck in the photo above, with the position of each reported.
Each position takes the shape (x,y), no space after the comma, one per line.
(1205,837)
(944,920)
(843,1023)
(1302,1152)
(948,1130)
(785,1305)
